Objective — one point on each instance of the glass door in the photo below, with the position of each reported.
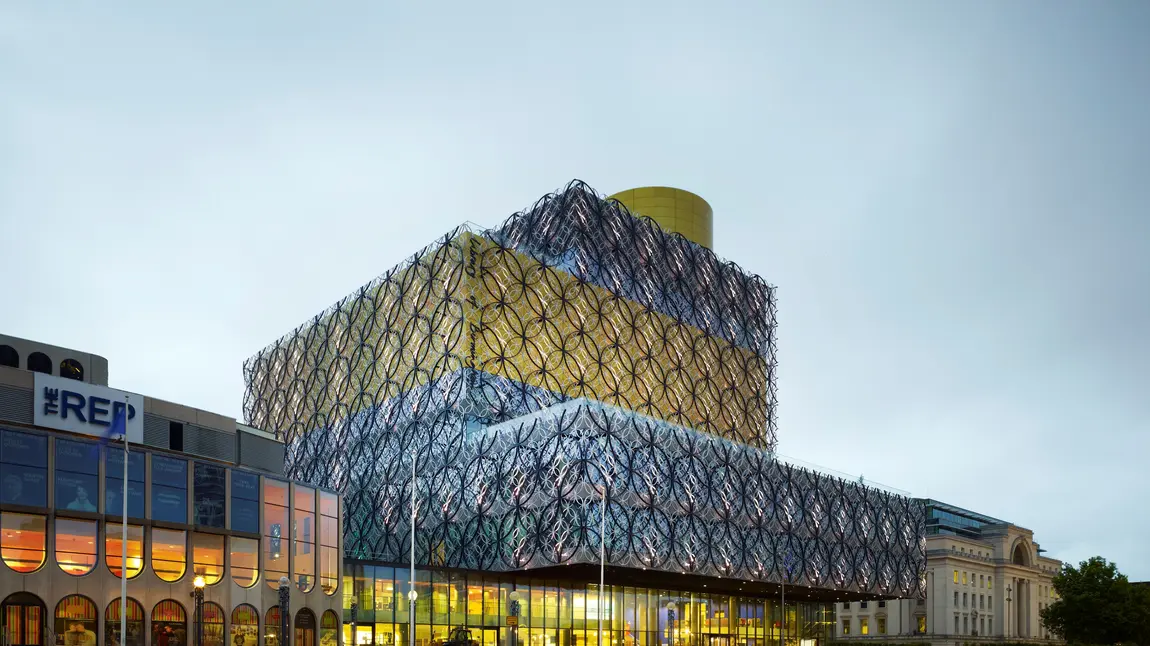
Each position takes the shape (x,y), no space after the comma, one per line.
(489,637)
(23,624)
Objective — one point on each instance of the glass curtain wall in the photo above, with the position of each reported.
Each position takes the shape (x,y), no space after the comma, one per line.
(560,613)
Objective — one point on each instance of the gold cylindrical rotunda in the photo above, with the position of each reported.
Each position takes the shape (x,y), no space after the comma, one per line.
(674,209)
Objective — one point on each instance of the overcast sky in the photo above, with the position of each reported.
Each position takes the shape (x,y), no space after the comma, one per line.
(952,197)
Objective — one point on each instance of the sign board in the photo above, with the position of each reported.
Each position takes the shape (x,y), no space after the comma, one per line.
(512,621)
(78,407)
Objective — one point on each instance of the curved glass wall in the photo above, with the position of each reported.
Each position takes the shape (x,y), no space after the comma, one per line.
(23,542)
(169,553)
(208,557)
(275,524)
(303,540)
(328,542)
(76,545)
(135,552)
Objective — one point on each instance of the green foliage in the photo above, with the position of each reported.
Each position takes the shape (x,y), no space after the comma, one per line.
(1097,605)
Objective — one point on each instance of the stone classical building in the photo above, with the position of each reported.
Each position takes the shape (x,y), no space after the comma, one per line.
(985,577)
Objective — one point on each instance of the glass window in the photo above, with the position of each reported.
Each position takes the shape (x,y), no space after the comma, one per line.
(23,469)
(956,576)
(964,578)
(76,620)
(213,619)
(169,618)
(329,629)
(76,545)
(112,556)
(245,625)
(22,541)
(209,487)
(922,625)
(275,520)
(303,540)
(272,627)
(245,502)
(114,482)
(169,553)
(169,489)
(135,623)
(846,626)
(77,475)
(329,543)
(245,561)
(881,621)
(864,626)
(304,628)
(208,557)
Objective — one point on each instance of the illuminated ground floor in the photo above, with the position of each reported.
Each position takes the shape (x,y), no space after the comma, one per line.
(569,611)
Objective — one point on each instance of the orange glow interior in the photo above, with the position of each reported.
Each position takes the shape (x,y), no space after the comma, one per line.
(245,561)
(76,545)
(135,554)
(22,541)
(208,557)
(169,553)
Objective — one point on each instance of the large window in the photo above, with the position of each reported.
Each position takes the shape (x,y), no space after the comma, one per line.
(245,626)
(245,502)
(208,557)
(113,535)
(329,629)
(76,545)
(135,623)
(169,619)
(272,627)
(169,489)
(275,520)
(329,543)
(213,624)
(76,620)
(304,628)
(209,481)
(114,482)
(22,541)
(23,469)
(303,541)
(169,553)
(245,560)
(77,475)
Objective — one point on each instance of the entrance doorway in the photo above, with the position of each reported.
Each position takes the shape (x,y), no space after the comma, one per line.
(24,620)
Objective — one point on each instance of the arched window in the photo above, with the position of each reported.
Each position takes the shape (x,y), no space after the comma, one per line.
(135,623)
(303,540)
(245,561)
(213,624)
(169,617)
(113,535)
(245,626)
(272,627)
(304,627)
(169,553)
(329,542)
(39,362)
(9,357)
(1020,555)
(208,557)
(23,614)
(76,545)
(329,629)
(76,620)
(71,369)
(22,541)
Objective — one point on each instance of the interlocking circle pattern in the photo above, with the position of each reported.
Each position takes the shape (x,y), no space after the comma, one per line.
(574,353)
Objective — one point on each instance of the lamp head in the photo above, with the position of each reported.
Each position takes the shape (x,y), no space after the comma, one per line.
(198,583)
(285,582)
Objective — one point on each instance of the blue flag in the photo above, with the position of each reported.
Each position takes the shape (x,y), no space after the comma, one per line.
(118,429)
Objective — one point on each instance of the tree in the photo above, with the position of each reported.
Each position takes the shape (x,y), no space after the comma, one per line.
(1096,604)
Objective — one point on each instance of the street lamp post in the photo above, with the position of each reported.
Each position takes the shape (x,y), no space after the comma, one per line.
(285,611)
(198,595)
(1009,617)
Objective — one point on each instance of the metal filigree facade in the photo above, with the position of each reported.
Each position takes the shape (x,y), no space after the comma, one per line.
(575,350)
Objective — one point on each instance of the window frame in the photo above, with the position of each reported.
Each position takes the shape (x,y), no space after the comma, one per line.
(94,555)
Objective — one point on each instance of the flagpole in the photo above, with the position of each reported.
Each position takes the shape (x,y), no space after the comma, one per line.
(124,540)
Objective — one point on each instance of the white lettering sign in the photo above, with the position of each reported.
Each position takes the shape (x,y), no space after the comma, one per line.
(70,405)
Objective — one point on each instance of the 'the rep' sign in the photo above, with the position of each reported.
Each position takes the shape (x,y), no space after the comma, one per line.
(70,405)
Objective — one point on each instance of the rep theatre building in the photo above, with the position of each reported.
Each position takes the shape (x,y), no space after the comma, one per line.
(206,499)
(577,385)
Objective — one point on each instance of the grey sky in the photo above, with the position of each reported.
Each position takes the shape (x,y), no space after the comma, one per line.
(953,198)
